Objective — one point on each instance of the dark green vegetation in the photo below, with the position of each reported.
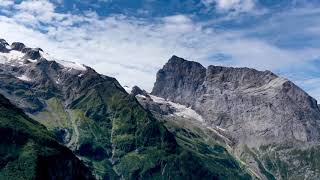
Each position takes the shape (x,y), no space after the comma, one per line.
(29,151)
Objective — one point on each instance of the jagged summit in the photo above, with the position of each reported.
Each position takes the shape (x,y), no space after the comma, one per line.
(3,41)
(18,46)
(4,46)
(137,90)
(245,101)
(274,125)
(178,61)
(18,54)
(189,75)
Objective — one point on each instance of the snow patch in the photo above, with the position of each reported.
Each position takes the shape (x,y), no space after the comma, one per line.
(66,64)
(72,65)
(11,56)
(17,58)
(141,96)
(128,89)
(181,110)
(24,78)
(31,60)
(188,113)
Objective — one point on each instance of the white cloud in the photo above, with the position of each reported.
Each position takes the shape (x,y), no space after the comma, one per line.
(36,6)
(6,3)
(227,5)
(243,5)
(178,23)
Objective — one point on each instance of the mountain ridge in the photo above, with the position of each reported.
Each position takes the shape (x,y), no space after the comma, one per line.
(254,124)
(103,125)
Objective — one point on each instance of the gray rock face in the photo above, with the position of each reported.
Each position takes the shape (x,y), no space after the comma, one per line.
(32,53)
(18,46)
(3,45)
(179,79)
(136,90)
(256,107)
(31,79)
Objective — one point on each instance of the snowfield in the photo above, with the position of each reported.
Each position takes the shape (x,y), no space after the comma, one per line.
(17,57)
(66,64)
(181,110)
(11,56)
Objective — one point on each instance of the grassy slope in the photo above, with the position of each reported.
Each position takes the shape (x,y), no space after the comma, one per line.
(286,162)
(207,147)
(29,151)
(138,145)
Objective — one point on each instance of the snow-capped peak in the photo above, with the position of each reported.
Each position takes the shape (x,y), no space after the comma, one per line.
(19,55)
(66,64)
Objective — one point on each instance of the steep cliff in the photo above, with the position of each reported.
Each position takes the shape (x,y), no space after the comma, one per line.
(268,117)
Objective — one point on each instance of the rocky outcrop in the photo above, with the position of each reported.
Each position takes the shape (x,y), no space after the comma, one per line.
(32,53)
(3,45)
(18,46)
(136,90)
(179,79)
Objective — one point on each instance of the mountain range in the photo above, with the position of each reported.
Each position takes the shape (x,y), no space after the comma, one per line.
(63,120)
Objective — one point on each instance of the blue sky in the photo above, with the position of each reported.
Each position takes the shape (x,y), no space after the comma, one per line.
(132,39)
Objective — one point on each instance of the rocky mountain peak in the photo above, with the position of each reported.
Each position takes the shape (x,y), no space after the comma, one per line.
(18,46)
(18,54)
(176,62)
(3,41)
(32,53)
(137,90)
(32,68)
(179,74)
(3,45)
(257,107)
